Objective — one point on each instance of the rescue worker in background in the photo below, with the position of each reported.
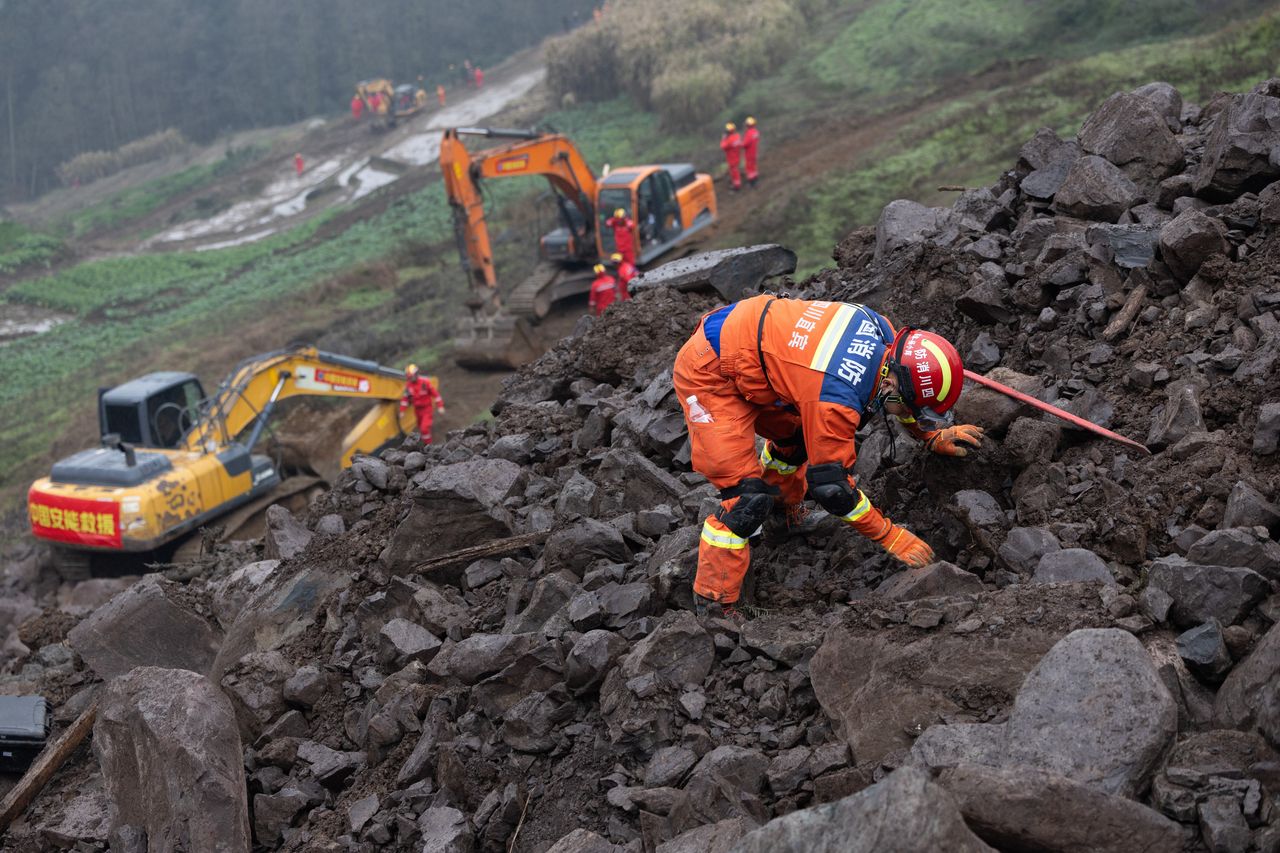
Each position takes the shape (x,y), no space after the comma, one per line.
(624,234)
(626,272)
(420,98)
(479,76)
(298,164)
(440,94)
(804,375)
(604,290)
(731,145)
(750,145)
(357,106)
(425,399)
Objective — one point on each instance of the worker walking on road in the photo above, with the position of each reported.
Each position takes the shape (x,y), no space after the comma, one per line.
(357,106)
(604,290)
(804,375)
(425,398)
(440,93)
(750,145)
(626,272)
(624,234)
(731,145)
(298,165)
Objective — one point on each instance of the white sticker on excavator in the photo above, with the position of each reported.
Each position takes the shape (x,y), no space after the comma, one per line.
(323,379)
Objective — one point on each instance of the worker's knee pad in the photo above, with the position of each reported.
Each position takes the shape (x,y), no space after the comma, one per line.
(792,455)
(746,514)
(830,487)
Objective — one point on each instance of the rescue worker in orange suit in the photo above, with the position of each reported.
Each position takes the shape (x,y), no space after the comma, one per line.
(357,106)
(750,145)
(440,94)
(731,145)
(626,272)
(624,234)
(298,164)
(424,397)
(604,290)
(804,375)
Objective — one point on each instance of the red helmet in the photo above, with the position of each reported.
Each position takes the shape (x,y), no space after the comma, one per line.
(930,373)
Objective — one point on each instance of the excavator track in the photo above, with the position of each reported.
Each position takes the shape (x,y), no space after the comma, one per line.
(532,298)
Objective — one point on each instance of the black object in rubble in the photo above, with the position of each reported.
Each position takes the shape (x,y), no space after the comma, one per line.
(24,726)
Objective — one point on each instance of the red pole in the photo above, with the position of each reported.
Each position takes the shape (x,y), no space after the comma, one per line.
(1055,411)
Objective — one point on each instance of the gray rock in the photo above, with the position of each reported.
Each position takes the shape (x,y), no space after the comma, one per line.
(678,652)
(1167,101)
(362,811)
(1247,507)
(1043,148)
(1246,547)
(551,594)
(481,655)
(991,409)
(668,766)
(1248,699)
(585,612)
(1205,652)
(229,595)
(445,830)
(331,525)
(1093,710)
(984,301)
(577,498)
(624,603)
(1095,189)
(905,813)
(1179,417)
(306,687)
(1022,808)
(591,657)
(935,580)
(84,821)
(789,769)
(1189,240)
(983,355)
(958,743)
(1199,593)
(630,482)
(286,537)
(981,508)
(785,641)
(516,448)
(330,767)
(171,759)
(582,841)
(1024,546)
(575,547)
(1032,441)
(372,470)
(528,724)
(1072,565)
(148,624)
(274,813)
(743,768)
(904,222)
(255,686)
(401,641)
(718,837)
(1266,435)
(1222,826)
(1238,154)
(1129,132)
(1132,246)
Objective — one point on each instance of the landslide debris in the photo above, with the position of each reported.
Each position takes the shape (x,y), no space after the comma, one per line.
(1097,651)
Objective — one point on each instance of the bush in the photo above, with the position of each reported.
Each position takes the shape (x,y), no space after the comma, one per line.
(92,165)
(682,58)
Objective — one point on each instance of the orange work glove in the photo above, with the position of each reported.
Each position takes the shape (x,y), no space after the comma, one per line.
(901,543)
(950,441)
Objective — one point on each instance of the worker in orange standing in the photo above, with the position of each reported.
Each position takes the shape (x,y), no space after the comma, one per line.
(626,272)
(750,145)
(624,234)
(731,145)
(357,106)
(440,94)
(804,375)
(298,164)
(479,77)
(425,398)
(604,290)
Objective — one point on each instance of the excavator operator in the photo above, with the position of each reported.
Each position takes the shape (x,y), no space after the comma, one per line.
(804,375)
(425,398)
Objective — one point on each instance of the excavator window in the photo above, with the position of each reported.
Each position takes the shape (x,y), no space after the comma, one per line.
(171,412)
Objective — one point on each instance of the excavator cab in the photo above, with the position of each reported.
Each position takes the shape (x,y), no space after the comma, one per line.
(155,410)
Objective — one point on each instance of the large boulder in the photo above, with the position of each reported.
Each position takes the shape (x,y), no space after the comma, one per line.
(905,813)
(1072,565)
(904,222)
(1095,189)
(149,624)
(630,482)
(1189,240)
(991,409)
(1248,699)
(935,580)
(1200,593)
(170,753)
(1245,547)
(577,546)
(286,537)
(1129,132)
(1094,710)
(1022,808)
(455,506)
(1238,155)
(1166,100)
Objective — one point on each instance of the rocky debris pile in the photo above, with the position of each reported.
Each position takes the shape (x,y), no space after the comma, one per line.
(1091,665)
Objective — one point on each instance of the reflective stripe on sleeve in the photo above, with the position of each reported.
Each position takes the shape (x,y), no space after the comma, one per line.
(863,507)
(769,462)
(721,538)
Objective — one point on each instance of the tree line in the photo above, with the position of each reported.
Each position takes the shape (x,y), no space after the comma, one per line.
(83,75)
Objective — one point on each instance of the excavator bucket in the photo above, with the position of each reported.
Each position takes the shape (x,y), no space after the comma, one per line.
(732,273)
(496,342)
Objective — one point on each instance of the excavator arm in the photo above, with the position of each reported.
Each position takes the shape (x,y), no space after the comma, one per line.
(246,398)
(551,155)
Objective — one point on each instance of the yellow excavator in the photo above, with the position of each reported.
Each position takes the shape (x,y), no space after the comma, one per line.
(173,460)
(670,203)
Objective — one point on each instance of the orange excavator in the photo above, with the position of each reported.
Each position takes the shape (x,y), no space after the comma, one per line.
(670,204)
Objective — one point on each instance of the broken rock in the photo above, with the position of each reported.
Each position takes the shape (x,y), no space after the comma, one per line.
(935,580)
(1189,240)
(1072,565)
(1200,593)
(1248,699)
(1095,189)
